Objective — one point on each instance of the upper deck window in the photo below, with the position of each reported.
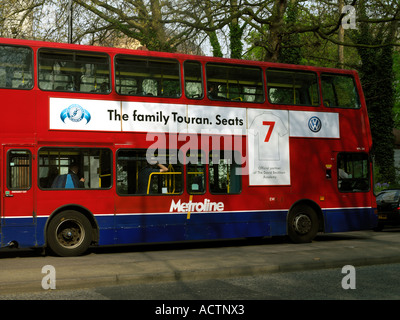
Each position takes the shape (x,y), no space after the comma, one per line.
(193,80)
(339,91)
(292,87)
(147,76)
(79,71)
(16,67)
(234,83)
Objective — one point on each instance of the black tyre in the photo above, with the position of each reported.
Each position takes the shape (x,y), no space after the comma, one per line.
(302,224)
(69,234)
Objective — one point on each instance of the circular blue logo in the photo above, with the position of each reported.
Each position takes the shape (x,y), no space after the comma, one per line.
(315,124)
(75,112)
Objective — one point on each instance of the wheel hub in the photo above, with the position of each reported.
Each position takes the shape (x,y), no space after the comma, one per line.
(67,234)
(70,233)
(302,224)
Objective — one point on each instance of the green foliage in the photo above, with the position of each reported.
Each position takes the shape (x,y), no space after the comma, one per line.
(396,71)
(291,47)
(255,52)
(377,79)
(236,43)
(216,47)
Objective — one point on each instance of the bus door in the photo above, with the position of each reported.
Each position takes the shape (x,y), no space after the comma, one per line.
(353,172)
(17,207)
(354,203)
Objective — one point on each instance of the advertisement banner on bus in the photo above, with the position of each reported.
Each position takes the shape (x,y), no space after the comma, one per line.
(268,131)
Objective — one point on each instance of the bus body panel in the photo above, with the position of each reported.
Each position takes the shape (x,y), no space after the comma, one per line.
(258,208)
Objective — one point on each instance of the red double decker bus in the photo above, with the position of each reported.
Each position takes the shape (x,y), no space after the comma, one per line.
(103,146)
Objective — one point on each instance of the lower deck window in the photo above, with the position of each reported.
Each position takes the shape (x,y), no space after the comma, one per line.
(224,173)
(88,168)
(139,174)
(19,170)
(196,172)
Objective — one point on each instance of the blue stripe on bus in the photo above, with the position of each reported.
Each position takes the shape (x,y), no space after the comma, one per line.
(142,228)
(215,225)
(349,219)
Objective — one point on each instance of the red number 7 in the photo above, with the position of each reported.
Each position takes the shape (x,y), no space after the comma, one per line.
(271,125)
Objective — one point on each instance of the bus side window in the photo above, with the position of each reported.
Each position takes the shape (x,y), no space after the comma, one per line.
(292,87)
(19,170)
(138,176)
(16,67)
(91,165)
(147,76)
(224,174)
(234,83)
(67,70)
(339,91)
(196,172)
(193,80)
(353,172)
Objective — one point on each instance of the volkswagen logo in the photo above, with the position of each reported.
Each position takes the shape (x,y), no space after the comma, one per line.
(315,124)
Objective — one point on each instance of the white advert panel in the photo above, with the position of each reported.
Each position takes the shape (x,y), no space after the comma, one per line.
(268,131)
(314,124)
(100,115)
(80,114)
(268,147)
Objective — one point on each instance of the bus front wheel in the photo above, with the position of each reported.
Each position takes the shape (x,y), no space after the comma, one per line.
(302,224)
(69,234)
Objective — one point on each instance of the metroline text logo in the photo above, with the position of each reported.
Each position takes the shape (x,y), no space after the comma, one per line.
(205,206)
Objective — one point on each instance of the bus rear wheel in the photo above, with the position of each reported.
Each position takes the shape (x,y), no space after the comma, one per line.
(302,224)
(69,234)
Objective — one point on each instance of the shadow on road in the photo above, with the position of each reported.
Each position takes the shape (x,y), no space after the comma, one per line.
(199,244)
(187,245)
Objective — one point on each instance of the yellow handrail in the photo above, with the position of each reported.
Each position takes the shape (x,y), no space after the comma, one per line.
(162,173)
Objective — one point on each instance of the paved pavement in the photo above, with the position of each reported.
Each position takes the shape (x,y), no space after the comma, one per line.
(21,271)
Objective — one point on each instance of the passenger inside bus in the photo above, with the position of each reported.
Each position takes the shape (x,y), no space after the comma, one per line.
(212,91)
(70,180)
(144,175)
(93,167)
